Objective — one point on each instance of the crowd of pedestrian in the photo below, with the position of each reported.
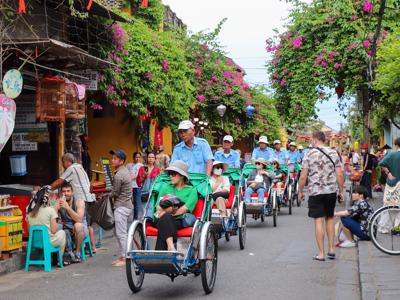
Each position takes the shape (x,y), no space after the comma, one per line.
(324,171)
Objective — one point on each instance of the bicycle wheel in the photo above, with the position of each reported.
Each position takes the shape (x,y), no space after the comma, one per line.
(384,229)
(134,276)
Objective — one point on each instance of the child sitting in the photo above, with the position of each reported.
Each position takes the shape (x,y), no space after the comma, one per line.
(355,219)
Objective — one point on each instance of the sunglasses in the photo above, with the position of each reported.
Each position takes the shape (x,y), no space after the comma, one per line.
(258,163)
(172,173)
(183,130)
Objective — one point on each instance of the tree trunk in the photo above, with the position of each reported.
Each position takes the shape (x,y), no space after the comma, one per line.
(366,110)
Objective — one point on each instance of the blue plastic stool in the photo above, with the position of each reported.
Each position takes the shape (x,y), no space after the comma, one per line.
(39,239)
(86,241)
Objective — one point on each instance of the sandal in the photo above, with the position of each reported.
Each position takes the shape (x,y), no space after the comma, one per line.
(77,259)
(316,257)
(331,255)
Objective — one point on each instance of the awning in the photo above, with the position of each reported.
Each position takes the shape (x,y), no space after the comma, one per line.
(60,55)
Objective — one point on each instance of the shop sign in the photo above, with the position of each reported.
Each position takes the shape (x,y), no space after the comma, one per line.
(91,82)
(25,119)
(21,142)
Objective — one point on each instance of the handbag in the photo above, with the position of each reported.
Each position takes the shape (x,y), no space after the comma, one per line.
(102,213)
(188,220)
(224,195)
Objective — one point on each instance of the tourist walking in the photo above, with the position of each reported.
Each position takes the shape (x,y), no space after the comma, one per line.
(122,194)
(321,165)
(133,169)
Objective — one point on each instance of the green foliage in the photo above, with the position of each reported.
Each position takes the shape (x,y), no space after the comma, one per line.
(153,15)
(387,79)
(152,75)
(219,80)
(326,45)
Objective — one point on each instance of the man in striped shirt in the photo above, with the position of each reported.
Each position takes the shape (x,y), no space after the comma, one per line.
(76,176)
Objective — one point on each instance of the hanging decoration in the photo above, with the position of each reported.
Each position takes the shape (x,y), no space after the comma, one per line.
(89,6)
(221,109)
(158,136)
(12,83)
(7,119)
(22,7)
(145,3)
(250,110)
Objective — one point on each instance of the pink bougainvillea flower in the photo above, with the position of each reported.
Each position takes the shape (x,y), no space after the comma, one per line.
(204,47)
(297,41)
(338,66)
(96,106)
(352,46)
(354,17)
(366,43)
(227,74)
(324,64)
(283,82)
(149,75)
(228,91)
(124,103)
(214,78)
(201,98)
(274,61)
(368,7)
(332,56)
(158,45)
(166,65)
(271,49)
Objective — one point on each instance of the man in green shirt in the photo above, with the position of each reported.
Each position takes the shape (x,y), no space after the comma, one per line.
(391,165)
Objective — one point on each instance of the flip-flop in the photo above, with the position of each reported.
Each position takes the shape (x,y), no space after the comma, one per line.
(331,255)
(316,257)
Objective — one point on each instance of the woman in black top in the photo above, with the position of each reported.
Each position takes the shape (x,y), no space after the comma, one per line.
(368,165)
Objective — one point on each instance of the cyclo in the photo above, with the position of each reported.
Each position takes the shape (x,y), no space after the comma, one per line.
(259,209)
(196,246)
(284,192)
(293,189)
(236,221)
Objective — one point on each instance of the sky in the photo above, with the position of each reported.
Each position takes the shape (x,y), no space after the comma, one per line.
(249,24)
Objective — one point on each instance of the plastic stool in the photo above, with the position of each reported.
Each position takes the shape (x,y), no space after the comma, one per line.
(39,239)
(86,241)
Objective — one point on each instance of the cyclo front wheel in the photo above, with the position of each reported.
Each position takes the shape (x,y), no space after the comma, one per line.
(134,276)
(242,230)
(384,229)
(208,266)
(274,208)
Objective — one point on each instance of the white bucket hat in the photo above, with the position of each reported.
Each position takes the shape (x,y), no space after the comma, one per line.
(228,138)
(187,124)
(224,165)
(277,142)
(263,139)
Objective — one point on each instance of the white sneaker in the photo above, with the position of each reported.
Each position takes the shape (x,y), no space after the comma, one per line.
(347,244)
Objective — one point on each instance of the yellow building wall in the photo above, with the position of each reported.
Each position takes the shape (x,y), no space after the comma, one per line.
(120,132)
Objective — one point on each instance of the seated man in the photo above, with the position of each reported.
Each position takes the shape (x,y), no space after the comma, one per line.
(220,186)
(259,181)
(72,213)
(170,218)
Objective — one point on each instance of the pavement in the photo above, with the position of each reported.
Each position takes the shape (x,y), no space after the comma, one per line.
(379,272)
(276,264)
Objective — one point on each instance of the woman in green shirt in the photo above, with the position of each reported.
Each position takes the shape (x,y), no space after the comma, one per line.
(169,219)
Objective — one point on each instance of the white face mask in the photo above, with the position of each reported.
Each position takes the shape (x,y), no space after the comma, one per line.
(363,151)
(217,171)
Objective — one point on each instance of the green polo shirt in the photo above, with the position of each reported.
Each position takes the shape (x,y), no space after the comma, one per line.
(392,162)
(188,194)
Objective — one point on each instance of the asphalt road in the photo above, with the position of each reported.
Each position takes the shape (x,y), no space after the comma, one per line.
(276,264)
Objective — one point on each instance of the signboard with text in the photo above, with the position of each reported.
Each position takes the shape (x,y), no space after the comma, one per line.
(21,142)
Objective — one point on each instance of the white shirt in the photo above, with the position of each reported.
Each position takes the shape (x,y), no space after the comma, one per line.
(223,186)
(355,158)
(134,170)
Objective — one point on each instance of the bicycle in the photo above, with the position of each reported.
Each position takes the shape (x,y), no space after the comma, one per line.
(384,229)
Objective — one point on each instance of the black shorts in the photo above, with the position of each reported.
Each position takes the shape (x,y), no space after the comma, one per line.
(88,205)
(321,206)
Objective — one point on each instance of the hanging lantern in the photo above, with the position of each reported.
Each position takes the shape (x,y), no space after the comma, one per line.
(339,91)
(250,110)
(221,109)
